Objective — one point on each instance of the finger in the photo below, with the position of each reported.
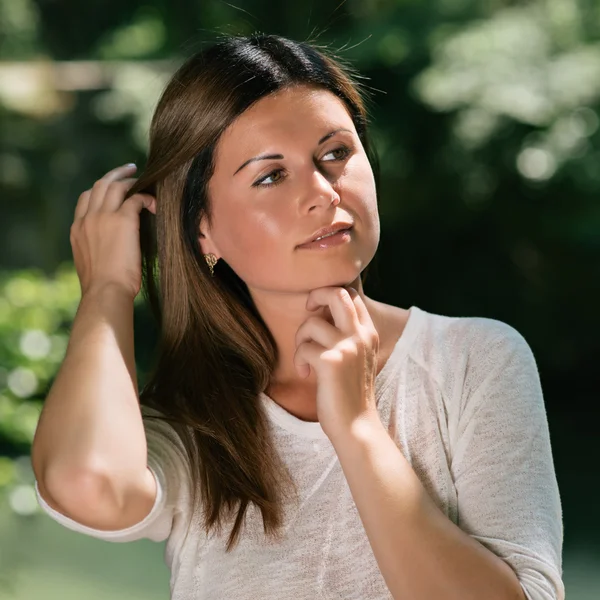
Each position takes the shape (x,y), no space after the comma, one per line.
(151,205)
(316,329)
(115,194)
(137,202)
(340,304)
(82,205)
(306,356)
(361,310)
(99,187)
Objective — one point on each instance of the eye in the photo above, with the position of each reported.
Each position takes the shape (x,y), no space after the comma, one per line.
(345,152)
(269,175)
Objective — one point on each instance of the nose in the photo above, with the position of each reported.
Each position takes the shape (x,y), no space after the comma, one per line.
(320,191)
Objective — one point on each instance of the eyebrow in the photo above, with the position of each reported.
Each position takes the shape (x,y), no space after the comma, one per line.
(280,156)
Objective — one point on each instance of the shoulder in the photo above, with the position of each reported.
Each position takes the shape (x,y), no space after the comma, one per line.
(435,339)
(470,335)
(462,353)
(486,362)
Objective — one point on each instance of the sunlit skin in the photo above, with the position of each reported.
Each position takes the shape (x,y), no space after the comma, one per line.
(256,229)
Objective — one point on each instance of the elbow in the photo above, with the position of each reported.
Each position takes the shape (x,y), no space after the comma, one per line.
(85,497)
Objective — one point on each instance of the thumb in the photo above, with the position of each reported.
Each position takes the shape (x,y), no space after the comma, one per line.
(139,201)
(150,203)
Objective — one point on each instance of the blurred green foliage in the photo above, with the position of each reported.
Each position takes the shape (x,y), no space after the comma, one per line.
(35,315)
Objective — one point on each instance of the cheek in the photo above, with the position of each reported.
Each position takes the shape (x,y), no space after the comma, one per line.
(260,232)
(358,186)
(364,176)
(254,240)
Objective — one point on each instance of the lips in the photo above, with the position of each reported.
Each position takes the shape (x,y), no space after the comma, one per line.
(334,228)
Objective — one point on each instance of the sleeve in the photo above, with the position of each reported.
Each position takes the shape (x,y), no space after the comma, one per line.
(167,459)
(502,465)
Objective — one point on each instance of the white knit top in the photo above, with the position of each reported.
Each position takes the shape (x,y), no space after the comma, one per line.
(461,397)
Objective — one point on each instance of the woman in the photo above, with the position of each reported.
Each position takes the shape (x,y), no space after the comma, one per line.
(297,439)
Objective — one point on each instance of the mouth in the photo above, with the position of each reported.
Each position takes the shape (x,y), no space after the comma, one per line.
(330,240)
(327,231)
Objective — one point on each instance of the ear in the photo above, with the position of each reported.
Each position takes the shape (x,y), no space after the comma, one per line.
(204,241)
(205,246)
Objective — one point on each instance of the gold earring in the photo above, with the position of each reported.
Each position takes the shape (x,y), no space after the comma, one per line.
(211,260)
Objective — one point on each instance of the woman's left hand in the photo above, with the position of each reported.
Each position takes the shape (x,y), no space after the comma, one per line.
(343,356)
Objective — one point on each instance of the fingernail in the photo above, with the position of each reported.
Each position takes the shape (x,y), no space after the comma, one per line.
(131,165)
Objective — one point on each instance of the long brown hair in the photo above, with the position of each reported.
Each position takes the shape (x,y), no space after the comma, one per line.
(215,353)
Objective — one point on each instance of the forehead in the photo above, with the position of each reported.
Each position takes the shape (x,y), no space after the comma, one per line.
(298,111)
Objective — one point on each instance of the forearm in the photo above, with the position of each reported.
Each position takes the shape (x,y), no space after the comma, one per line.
(420,552)
(91,420)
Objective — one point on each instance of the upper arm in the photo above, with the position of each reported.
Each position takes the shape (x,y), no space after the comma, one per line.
(502,466)
(153,506)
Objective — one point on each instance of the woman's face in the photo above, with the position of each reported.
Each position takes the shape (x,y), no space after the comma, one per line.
(262,211)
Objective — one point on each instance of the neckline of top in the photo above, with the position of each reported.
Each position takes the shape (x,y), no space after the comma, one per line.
(310,429)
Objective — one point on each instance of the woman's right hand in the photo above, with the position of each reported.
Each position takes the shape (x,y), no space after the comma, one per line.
(105,234)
